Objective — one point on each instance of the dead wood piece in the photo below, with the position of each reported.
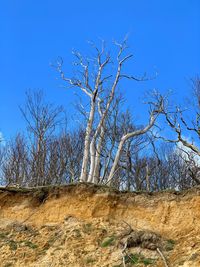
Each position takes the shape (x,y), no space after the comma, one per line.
(143,239)
(162,257)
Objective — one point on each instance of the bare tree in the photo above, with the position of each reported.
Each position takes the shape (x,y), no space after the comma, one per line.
(177,120)
(42,119)
(2,161)
(157,109)
(46,153)
(63,163)
(100,86)
(15,165)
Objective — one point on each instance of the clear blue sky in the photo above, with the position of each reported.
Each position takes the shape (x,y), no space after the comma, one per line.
(163,34)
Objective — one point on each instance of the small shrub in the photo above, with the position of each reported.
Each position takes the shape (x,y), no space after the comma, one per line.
(89,260)
(170,245)
(109,241)
(148,261)
(30,244)
(134,259)
(12,244)
(3,235)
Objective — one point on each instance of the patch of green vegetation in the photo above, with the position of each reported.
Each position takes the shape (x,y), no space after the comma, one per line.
(12,244)
(109,241)
(15,244)
(30,244)
(3,235)
(148,261)
(134,259)
(170,245)
(90,260)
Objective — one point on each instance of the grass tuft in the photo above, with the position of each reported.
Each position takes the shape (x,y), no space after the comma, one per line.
(12,244)
(30,244)
(134,259)
(109,241)
(170,245)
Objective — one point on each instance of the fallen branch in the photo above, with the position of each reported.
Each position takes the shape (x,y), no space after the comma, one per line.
(162,257)
(129,231)
(123,256)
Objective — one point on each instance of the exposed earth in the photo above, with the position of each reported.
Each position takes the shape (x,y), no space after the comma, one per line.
(86,225)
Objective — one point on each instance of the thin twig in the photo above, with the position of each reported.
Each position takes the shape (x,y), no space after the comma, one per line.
(123,256)
(162,257)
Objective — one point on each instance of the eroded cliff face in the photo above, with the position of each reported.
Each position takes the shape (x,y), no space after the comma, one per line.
(85,225)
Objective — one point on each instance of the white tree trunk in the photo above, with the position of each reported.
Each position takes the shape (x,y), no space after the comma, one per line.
(117,157)
(97,162)
(95,154)
(123,140)
(96,173)
(83,177)
(147,177)
(103,117)
(92,161)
